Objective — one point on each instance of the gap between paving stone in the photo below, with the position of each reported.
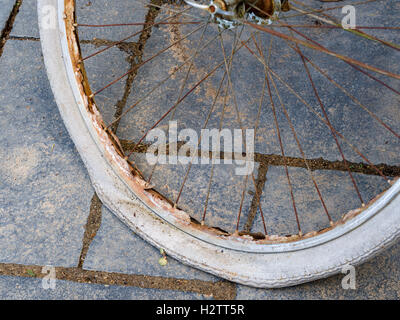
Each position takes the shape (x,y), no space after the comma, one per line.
(123,46)
(136,58)
(255,202)
(279,160)
(135,51)
(220,290)
(94,219)
(5,33)
(92,226)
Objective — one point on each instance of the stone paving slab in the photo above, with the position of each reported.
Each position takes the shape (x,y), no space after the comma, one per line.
(117,249)
(19,288)
(333,185)
(26,22)
(115,61)
(169,179)
(6,7)
(45,191)
(376,279)
(92,12)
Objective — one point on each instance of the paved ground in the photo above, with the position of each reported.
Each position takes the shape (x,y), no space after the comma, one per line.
(49,214)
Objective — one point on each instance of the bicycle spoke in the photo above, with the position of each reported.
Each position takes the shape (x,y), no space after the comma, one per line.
(179,101)
(163,81)
(294,134)
(326,51)
(135,24)
(309,107)
(199,142)
(350,64)
(356,31)
(326,9)
(146,28)
(183,87)
(366,109)
(147,60)
(212,161)
(283,155)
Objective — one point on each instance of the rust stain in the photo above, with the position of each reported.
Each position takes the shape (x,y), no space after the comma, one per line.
(182,51)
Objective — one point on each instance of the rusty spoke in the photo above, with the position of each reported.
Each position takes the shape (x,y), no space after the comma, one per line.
(147,60)
(146,28)
(278,134)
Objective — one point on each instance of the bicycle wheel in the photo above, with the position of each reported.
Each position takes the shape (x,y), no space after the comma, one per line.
(258,141)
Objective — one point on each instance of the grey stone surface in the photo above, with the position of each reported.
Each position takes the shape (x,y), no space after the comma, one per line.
(18,288)
(337,192)
(115,61)
(117,249)
(6,7)
(118,12)
(26,24)
(45,192)
(224,199)
(44,188)
(376,279)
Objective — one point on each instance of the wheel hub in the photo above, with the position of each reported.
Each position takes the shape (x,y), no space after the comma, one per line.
(230,13)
